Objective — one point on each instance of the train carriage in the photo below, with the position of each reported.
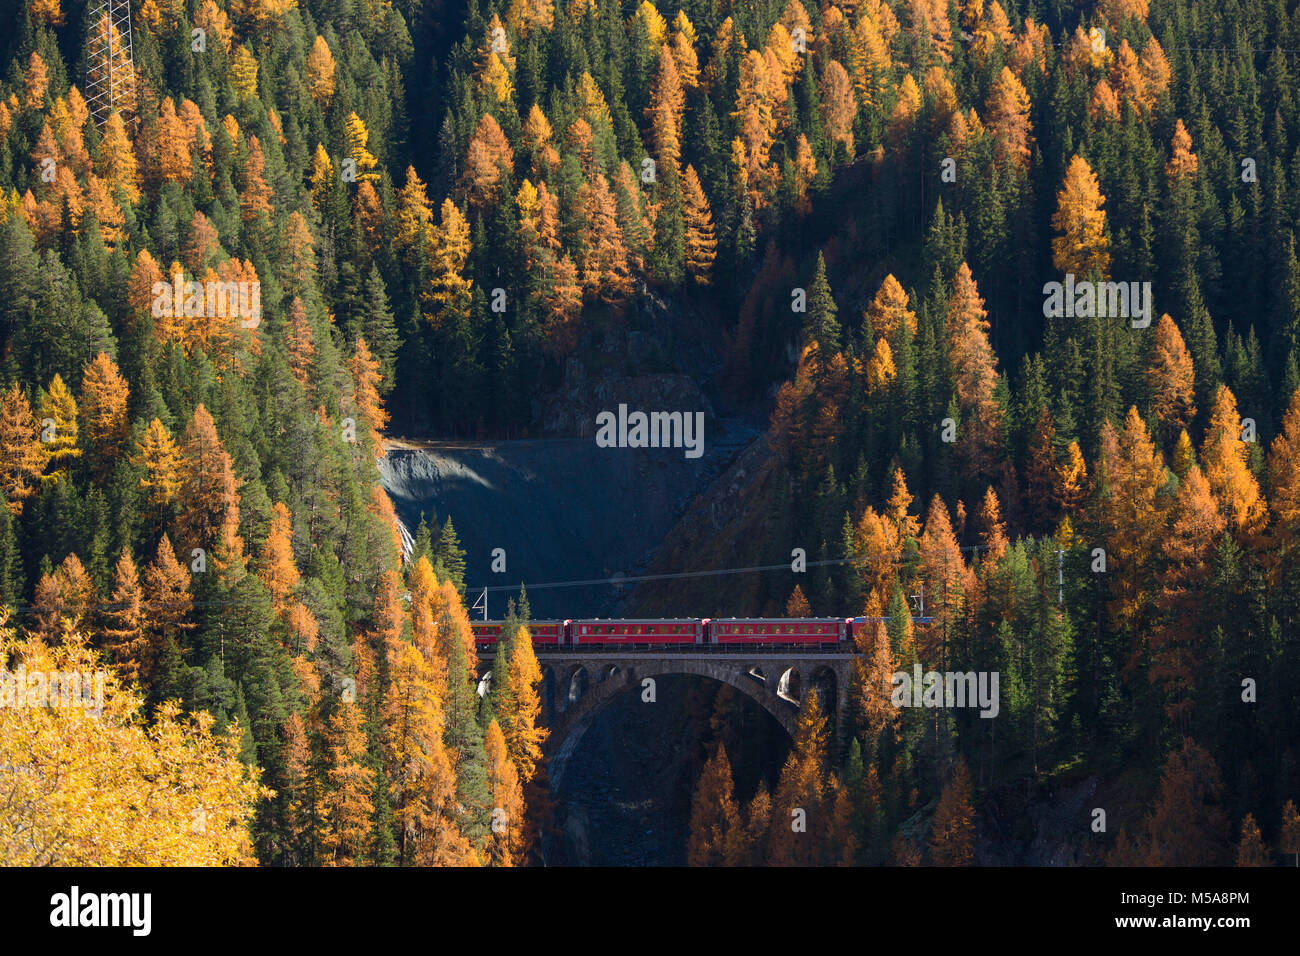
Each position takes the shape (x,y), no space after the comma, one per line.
(547,633)
(605,632)
(773,631)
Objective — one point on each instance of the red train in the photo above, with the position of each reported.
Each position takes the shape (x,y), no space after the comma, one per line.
(605,632)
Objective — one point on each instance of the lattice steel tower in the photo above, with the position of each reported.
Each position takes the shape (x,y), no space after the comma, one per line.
(110,69)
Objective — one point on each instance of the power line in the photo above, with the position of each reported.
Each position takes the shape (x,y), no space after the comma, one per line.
(547,585)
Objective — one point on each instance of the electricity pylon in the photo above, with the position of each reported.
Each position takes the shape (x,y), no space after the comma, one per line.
(110,69)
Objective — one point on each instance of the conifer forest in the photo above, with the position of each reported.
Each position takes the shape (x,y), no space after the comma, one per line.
(996,301)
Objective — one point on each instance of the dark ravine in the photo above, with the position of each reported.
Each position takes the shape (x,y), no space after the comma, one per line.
(625,799)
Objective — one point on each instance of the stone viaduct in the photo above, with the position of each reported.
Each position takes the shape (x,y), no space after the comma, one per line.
(578,682)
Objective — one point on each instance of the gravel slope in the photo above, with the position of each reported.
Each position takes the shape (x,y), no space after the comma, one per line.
(563,509)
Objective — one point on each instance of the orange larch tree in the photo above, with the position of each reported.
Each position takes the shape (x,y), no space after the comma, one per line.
(1176,639)
(123,621)
(701,244)
(665,112)
(254,194)
(346,806)
(889,312)
(1284,477)
(489,163)
(22,455)
(364,369)
(975,372)
(208,498)
(952,832)
(1171,379)
(104,394)
(945,576)
(167,595)
(1082,247)
(1223,454)
(715,817)
(839,105)
(505,846)
(1130,514)
(1007,118)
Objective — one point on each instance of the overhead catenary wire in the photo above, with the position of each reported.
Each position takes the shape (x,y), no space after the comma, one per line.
(615,580)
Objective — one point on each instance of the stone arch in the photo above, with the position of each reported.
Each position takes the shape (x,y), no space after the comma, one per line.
(570,725)
(789,685)
(577,685)
(826,683)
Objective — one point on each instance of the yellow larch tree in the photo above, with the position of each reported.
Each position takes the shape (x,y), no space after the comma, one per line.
(320,72)
(179,789)
(683,50)
(321,176)
(57,413)
(117,163)
(243,72)
(655,26)
(158,455)
(448,247)
(505,846)
(414,216)
(1081,246)
(889,312)
(537,143)
(1223,456)
(358,138)
(869,61)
